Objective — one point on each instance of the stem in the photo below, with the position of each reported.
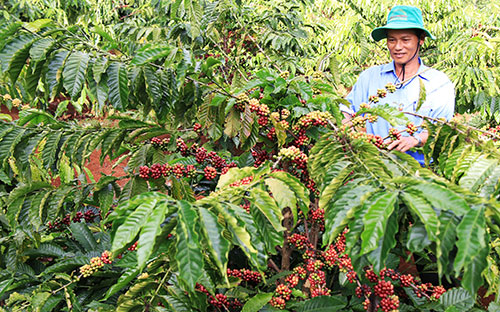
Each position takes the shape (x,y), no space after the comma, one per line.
(275,165)
(128,15)
(159,287)
(306,227)
(222,88)
(314,232)
(68,299)
(397,163)
(64,286)
(374,300)
(273,265)
(286,251)
(450,124)
(334,127)
(358,160)
(421,292)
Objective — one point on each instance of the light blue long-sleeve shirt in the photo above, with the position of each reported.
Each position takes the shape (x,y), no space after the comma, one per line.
(439,101)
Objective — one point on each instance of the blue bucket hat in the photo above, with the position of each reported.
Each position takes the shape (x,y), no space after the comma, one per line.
(402,17)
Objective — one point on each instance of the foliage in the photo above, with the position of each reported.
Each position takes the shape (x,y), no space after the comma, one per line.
(392,189)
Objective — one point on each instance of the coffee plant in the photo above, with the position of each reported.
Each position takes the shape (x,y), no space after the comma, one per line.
(234,184)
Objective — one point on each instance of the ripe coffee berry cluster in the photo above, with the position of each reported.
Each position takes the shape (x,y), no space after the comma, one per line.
(345,265)
(340,241)
(178,170)
(282,294)
(211,162)
(318,216)
(301,138)
(330,256)
(421,289)
(210,172)
(88,216)
(197,127)
(260,156)
(161,143)
(312,272)
(300,241)
(205,157)
(384,288)
(317,277)
(246,206)
(278,302)
(155,172)
(363,290)
(284,291)
(300,272)
(133,247)
(182,147)
(219,301)
(314,265)
(241,182)
(263,121)
(371,276)
(317,262)
(246,275)
(389,304)
(106,257)
(292,280)
(438,291)
(309,254)
(376,140)
(271,134)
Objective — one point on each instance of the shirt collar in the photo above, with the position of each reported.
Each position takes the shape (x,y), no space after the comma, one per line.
(389,67)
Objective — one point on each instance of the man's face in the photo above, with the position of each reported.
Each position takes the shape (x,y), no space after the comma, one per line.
(402,44)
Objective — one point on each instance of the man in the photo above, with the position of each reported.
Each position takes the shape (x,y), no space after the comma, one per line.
(405,33)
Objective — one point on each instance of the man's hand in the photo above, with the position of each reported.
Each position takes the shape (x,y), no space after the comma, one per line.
(347,118)
(403,144)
